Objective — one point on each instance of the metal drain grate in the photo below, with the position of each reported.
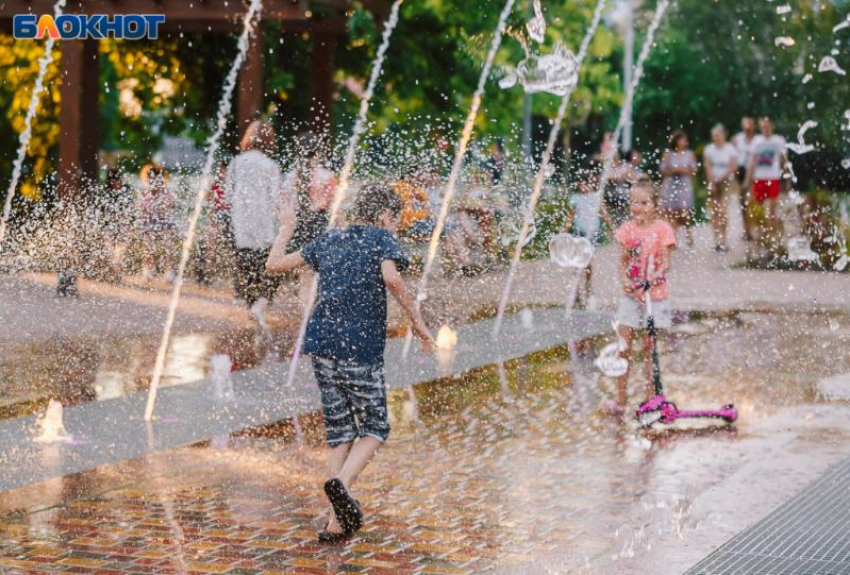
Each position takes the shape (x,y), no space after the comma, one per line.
(808,535)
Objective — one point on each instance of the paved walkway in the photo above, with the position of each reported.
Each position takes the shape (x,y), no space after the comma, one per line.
(510,476)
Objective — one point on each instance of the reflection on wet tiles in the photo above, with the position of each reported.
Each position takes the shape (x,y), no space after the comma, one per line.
(507,471)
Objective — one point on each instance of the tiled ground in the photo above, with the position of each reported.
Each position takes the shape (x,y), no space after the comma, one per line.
(513,476)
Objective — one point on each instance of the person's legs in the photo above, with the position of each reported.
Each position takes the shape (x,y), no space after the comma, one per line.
(718,200)
(744,199)
(688,220)
(340,427)
(367,395)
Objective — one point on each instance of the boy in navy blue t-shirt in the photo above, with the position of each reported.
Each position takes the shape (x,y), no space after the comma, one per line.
(347,334)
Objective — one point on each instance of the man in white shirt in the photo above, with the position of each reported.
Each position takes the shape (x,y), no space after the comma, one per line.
(721,161)
(258,209)
(766,166)
(743,142)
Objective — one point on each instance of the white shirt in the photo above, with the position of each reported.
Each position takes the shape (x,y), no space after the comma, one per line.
(720,159)
(253,188)
(768,153)
(745,149)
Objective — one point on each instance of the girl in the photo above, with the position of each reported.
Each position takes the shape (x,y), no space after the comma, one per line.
(679,166)
(645,244)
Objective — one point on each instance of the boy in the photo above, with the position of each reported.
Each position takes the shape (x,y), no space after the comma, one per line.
(346,336)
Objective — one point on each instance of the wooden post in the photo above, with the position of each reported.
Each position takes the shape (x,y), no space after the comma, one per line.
(251,95)
(324,47)
(79,135)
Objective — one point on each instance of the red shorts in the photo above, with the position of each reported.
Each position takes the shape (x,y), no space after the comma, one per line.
(765,190)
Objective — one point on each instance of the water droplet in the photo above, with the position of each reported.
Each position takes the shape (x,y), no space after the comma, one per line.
(784,9)
(799,250)
(828,64)
(807,78)
(537,26)
(555,73)
(509,80)
(786,41)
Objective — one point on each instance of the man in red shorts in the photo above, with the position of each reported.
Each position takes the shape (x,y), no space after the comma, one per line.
(766,166)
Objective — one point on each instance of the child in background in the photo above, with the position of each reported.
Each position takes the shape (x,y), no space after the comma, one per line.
(347,335)
(645,245)
(587,210)
(157,225)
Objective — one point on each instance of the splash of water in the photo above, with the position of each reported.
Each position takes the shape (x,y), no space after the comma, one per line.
(800,250)
(460,151)
(828,64)
(536,27)
(567,251)
(220,374)
(50,424)
(345,174)
(785,41)
(555,73)
(544,166)
(224,107)
(801,147)
(26,135)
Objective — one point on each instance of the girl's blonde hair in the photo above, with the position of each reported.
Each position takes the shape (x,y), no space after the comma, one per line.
(259,135)
(645,183)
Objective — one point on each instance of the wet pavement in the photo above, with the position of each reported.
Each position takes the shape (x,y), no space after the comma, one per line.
(513,474)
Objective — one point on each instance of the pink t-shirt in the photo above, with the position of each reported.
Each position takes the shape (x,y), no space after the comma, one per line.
(641,242)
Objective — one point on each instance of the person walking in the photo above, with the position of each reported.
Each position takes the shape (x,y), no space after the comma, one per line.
(258,210)
(743,142)
(764,172)
(721,163)
(678,167)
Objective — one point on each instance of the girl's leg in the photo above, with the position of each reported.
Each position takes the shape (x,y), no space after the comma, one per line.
(627,334)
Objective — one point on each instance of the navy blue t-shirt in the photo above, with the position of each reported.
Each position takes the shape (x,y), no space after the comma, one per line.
(349,321)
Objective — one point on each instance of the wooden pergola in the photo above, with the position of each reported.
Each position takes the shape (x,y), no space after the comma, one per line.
(78,120)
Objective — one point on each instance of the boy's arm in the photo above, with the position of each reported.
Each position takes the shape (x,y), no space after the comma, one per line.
(398,288)
(279,261)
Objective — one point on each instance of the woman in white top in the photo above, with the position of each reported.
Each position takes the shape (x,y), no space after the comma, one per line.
(258,208)
(721,162)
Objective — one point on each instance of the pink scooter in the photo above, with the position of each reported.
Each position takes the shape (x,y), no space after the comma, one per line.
(658,408)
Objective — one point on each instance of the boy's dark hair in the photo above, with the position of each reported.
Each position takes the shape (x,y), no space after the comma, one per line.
(373,200)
